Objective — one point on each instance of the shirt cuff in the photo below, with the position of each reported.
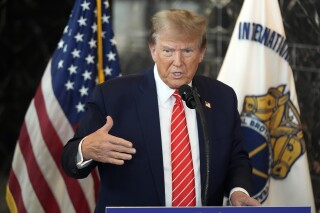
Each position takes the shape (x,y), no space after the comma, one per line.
(80,161)
(237,189)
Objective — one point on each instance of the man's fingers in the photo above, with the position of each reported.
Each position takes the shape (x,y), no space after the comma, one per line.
(112,139)
(118,158)
(245,201)
(108,125)
(123,149)
(109,148)
(115,161)
(252,202)
(236,203)
(241,199)
(120,142)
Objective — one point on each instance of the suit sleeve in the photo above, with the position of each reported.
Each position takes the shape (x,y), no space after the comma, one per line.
(93,119)
(239,168)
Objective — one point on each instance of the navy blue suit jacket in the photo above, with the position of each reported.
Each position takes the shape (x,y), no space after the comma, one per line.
(132,103)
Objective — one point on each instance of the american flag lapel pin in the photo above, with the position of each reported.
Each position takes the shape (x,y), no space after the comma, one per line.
(207,104)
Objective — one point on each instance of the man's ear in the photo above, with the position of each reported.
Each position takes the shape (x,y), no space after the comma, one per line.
(202,55)
(152,49)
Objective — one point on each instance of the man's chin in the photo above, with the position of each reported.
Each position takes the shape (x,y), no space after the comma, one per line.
(177,84)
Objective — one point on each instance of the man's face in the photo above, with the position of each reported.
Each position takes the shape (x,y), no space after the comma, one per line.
(177,60)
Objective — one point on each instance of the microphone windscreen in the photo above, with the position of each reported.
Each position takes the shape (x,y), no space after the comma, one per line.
(186,94)
(185,89)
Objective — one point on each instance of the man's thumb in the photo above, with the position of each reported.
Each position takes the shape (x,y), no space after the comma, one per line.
(109,124)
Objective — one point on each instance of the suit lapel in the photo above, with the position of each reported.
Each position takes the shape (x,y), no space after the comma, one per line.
(147,106)
(201,149)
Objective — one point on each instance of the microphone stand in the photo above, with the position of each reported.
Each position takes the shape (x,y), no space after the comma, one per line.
(199,109)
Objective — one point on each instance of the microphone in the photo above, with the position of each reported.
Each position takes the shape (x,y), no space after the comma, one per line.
(192,99)
(186,94)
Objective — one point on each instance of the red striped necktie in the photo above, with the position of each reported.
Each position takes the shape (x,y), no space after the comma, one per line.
(183,184)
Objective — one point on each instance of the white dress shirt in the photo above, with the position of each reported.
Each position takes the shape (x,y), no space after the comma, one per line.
(165,103)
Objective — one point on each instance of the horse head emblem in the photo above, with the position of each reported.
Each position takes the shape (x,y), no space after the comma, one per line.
(280,116)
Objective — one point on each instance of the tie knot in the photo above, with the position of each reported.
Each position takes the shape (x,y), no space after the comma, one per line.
(177,95)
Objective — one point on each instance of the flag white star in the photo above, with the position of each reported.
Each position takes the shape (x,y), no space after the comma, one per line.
(105,19)
(83,91)
(65,48)
(85,5)
(60,64)
(108,71)
(72,69)
(92,43)
(90,59)
(106,4)
(65,30)
(82,21)
(69,85)
(76,53)
(80,107)
(113,41)
(79,37)
(94,27)
(60,44)
(86,75)
(111,56)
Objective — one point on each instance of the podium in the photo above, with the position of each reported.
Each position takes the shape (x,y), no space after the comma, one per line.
(226,209)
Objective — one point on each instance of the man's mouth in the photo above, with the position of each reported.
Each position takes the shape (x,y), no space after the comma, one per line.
(177,74)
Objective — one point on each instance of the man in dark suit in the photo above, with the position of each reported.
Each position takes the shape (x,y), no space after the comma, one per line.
(126,129)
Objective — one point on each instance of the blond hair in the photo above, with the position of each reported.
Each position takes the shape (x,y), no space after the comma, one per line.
(183,23)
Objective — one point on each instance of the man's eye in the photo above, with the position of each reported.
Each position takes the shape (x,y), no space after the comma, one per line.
(167,52)
(187,52)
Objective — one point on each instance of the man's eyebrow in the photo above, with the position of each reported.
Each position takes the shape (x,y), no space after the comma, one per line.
(166,46)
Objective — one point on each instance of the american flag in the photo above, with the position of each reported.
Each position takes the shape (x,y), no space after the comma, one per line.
(36,182)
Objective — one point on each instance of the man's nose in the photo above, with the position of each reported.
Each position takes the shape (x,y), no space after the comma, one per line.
(177,60)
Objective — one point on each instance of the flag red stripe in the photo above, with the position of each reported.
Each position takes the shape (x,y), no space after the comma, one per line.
(96,182)
(15,190)
(55,147)
(38,181)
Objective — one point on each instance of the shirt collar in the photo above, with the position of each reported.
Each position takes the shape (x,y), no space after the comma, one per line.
(164,92)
